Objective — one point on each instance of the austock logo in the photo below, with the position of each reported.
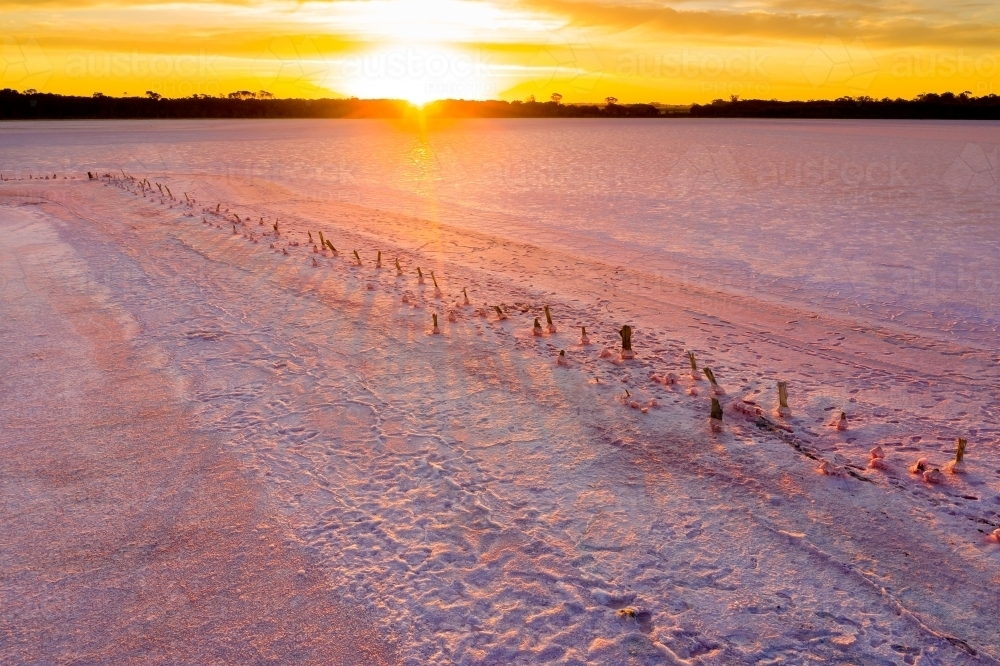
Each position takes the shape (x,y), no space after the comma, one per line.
(974,171)
(420,73)
(23,64)
(571,68)
(702,170)
(156,160)
(294,64)
(834,63)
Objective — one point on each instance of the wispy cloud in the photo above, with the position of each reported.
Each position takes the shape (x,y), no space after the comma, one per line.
(789,21)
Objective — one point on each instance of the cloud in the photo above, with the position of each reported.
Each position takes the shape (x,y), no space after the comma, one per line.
(786,20)
(881,24)
(620,17)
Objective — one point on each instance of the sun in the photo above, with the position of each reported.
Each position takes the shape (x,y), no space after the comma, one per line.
(422,50)
(419,99)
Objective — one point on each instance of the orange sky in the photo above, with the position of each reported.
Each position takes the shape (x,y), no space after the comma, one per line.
(678,52)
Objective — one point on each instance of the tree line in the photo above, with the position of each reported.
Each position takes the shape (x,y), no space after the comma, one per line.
(30,104)
(927,106)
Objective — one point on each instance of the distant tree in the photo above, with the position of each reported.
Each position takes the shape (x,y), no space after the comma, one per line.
(98,95)
(610,101)
(242,94)
(30,91)
(556,97)
(531,98)
(153,95)
(734,98)
(263,94)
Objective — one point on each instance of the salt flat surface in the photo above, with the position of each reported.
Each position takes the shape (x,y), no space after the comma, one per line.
(884,221)
(470,499)
(130,535)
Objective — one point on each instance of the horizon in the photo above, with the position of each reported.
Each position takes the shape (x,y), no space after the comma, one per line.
(557,98)
(691,53)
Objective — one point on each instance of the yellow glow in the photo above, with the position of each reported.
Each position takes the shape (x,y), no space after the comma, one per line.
(429,21)
(420,50)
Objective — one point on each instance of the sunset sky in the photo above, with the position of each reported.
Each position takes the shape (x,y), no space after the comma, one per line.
(674,52)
